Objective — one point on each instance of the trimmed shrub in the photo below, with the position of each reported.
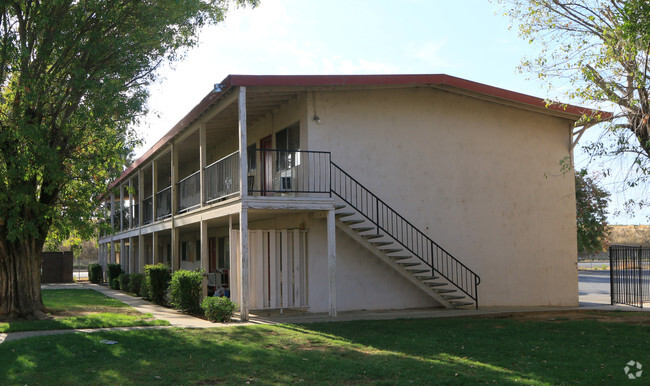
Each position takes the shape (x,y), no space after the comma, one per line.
(135,283)
(218,309)
(124,280)
(115,284)
(185,290)
(95,273)
(113,271)
(144,289)
(157,278)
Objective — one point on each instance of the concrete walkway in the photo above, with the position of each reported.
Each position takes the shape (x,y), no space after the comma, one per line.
(174,317)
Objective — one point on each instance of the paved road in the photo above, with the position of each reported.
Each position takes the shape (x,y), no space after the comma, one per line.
(593,288)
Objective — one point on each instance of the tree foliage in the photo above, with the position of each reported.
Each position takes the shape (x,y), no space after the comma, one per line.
(73,80)
(591,211)
(601,47)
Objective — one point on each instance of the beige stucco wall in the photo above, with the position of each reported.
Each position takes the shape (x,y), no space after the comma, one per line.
(480,178)
(363,281)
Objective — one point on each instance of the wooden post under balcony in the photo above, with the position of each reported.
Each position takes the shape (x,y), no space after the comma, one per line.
(243,215)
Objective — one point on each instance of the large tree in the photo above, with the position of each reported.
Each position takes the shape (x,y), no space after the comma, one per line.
(73,80)
(601,48)
(591,211)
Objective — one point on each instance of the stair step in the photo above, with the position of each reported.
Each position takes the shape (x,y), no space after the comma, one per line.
(415,271)
(352,222)
(460,304)
(363,229)
(425,279)
(381,243)
(444,290)
(373,236)
(406,265)
(339,206)
(453,297)
(436,284)
(344,214)
(399,258)
(391,250)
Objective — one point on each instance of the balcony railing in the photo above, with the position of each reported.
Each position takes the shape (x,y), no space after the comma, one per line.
(164,203)
(286,172)
(189,192)
(147,210)
(222,178)
(273,173)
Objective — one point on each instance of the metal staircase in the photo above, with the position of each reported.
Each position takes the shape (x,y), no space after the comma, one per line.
(383,231)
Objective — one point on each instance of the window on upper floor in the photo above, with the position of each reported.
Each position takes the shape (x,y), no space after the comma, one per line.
(286,140)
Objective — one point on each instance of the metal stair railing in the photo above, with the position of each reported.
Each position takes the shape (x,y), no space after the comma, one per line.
(401,230)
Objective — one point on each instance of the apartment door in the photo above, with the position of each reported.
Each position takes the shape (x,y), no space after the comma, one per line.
(266,184)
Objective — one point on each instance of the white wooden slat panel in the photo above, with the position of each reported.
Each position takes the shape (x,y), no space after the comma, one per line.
(297,268)
(259,257)
(274,265)
(285,270)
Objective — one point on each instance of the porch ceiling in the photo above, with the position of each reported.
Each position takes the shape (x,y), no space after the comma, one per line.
(259,105)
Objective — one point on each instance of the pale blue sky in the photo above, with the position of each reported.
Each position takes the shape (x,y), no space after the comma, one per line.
(469,39)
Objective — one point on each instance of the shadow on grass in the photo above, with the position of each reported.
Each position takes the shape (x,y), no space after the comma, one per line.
(419,351)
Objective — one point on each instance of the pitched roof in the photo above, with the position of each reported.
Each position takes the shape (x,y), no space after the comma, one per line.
(441,81)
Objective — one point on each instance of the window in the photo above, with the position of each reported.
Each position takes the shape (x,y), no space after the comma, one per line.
(198,250)
(286,140)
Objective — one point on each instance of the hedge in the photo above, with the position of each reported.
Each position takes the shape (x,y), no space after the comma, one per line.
(124,280)
(157,278)
(95,273)
(218,309)
(113,271)
(185,290)
(135,283)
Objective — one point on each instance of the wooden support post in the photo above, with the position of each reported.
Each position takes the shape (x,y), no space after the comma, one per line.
(121,253)
(154,199)
(141,255)
(244,282)
(174,180)
(331,260)
(112,212)
(155,258)
(175,258)
(121,211)
(202,162)
(204,257)
(140,197)
(131,213)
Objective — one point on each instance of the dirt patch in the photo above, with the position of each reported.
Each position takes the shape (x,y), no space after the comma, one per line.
(630,317)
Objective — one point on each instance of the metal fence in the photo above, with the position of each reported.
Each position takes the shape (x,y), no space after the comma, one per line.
(222,178)
(189,189)
(629,275)
(147,210)
(164,203)
(287,172)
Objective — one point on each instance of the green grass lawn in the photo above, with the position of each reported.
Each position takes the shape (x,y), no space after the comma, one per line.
(80,308)
(421,351)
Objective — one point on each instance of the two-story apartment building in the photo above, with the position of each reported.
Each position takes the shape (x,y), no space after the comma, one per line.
(335,193)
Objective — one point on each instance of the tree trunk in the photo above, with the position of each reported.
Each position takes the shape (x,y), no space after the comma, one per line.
(20,281)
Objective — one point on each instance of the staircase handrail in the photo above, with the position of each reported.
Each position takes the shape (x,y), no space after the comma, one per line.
(450,267)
